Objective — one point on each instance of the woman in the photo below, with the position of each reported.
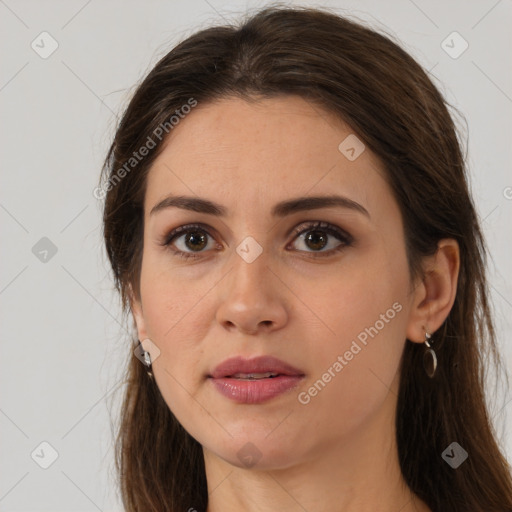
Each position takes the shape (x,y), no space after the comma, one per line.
(289,224)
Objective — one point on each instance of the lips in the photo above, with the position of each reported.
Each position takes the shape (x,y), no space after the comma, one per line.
(238,367)
(254,381)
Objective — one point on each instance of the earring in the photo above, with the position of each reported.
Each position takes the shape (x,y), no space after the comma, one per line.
(147,360)
(429,356)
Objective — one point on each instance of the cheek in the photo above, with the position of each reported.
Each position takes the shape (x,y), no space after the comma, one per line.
(175,325)
(171,319)
(171,295)
(356,372)
(358,296)
(366,316)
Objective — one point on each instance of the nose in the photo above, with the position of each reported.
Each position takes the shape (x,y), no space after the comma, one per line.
(252,298)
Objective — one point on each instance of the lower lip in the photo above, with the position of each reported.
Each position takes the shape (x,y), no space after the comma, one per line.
(255,391)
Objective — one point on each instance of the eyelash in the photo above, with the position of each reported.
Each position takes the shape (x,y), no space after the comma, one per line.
(306,227)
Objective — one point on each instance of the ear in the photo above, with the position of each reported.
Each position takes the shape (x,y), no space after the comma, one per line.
(137,314)
(434,295)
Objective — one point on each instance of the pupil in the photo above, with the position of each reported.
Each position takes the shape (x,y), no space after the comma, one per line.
(195,238)
(316,237)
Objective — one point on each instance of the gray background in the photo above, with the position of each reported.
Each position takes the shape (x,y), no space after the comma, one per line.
(62,345)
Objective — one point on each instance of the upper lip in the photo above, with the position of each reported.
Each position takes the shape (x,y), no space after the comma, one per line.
(261,364)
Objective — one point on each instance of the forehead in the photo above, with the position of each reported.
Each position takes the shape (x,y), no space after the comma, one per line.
(272,148)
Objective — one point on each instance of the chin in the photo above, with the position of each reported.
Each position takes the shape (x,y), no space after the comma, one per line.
(258,455)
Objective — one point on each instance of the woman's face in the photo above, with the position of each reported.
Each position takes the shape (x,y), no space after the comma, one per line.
(333,301)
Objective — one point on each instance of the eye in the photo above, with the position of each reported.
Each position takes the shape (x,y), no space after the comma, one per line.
(191,237)
(318,235)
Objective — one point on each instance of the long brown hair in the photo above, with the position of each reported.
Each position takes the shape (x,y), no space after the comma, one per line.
(368,81)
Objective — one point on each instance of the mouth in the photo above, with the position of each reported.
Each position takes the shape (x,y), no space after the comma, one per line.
(256,380)
(253,376)
(262,367)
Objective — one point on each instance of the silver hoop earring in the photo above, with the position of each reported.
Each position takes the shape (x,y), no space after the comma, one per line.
(429,356)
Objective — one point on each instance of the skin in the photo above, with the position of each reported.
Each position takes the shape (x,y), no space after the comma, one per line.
(337,452)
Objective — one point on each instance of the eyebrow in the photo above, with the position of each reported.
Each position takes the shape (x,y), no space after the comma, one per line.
(281,209)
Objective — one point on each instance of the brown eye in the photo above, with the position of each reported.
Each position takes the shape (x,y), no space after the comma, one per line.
(184,241)
(319,235)
(195,240)
(316,240)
